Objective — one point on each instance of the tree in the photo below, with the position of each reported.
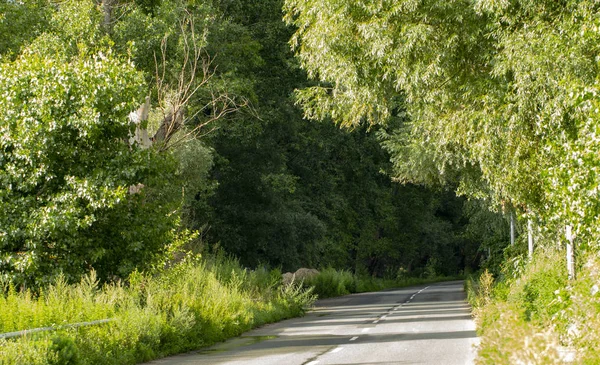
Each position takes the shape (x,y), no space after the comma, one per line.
(66,169)
(297,193)
(499,96)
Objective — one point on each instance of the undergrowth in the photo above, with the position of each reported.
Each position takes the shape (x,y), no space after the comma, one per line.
(532,314)
(190,305)
(331,282)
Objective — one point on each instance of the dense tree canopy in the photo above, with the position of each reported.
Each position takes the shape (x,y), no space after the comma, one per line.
(77,193)
(125,123)
(66,167)
(294,193)
(497,96)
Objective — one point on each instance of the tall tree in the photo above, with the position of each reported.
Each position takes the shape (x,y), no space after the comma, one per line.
(499,95)
(77,191)
(295,193)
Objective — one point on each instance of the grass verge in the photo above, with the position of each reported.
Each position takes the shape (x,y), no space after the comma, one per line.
(193,304)
(535,315)
(331,282)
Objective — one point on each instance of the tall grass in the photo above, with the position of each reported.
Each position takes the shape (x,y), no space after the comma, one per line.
(331,282)
(538,316)
(193,304)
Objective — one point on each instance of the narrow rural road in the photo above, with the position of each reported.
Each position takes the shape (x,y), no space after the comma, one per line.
(416,325)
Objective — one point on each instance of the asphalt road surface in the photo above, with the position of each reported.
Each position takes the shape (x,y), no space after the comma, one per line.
(416,325)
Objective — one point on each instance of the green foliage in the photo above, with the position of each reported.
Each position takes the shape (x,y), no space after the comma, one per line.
(20,23)
(268,187)
(332,283)
(185,307)
(541,287)
(66,168)
(497,98)
(291,193)
(530,316)
(74,27)
(65,350)
(510,340)
(56,304)
(583,315)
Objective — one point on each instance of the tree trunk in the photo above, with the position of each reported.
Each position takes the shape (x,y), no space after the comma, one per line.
(107,9)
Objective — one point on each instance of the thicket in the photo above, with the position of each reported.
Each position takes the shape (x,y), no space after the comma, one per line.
(295,193)
(193,304)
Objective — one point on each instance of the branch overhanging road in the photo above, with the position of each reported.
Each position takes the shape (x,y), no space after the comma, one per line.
(416,325)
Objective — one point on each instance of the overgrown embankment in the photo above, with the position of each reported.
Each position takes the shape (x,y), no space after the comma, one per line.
(532,313)
(193,304)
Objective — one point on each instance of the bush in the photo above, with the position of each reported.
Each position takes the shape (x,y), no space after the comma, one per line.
(66,167)
(331,283)
(509,339)
(583,331)
(538,291)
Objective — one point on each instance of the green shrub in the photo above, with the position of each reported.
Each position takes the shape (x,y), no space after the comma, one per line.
(66,168)
(538,289)
(331,283)
(584,314)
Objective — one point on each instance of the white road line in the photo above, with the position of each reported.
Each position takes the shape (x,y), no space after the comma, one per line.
(376,321)
(354,338)
(365,329)
(383,317)
(337,349)
(312,362)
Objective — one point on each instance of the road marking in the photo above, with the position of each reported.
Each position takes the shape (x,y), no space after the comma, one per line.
(376,321)
(365,329)
(354,338)
(413,297)
(312,362)
(383,317)
(337,349)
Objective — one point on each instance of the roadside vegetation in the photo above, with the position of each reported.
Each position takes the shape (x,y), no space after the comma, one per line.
(530,313)
(194,303)
(191,304)
(332,283)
